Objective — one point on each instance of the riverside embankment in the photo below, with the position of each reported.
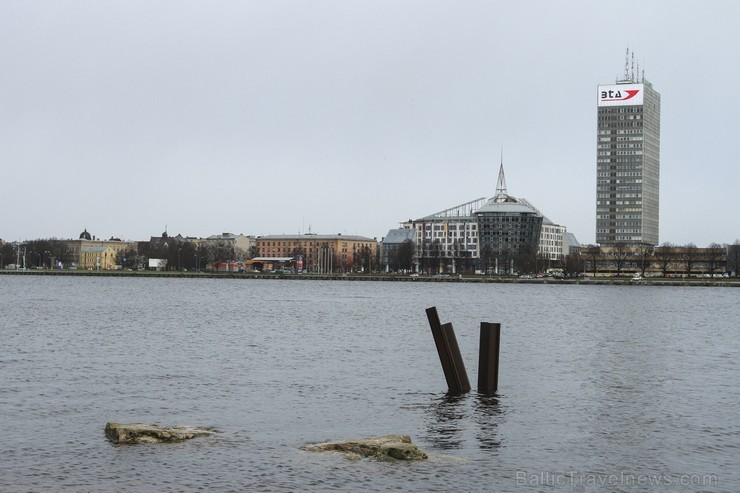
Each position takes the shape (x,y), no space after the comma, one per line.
(455,278)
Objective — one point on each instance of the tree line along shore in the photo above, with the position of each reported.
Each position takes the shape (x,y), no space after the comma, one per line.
(587,280)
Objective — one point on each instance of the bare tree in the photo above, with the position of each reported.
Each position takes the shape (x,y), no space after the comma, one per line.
(593,258)
(187,256)
(201,257)
(526,260)
(220,252)
(7,255)
(424,255)
(366,257)
(643,258)
(542,262)
(405,255)
(456,254)
(573,265)
(504,261)
(44,253)
(128,258)
(240,254)
(619,254)
(665,255)
(486,258)
(690,257)
(435,255)
(715,257)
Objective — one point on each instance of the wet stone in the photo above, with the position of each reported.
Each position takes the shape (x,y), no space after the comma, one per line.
(389,447)
(133,433)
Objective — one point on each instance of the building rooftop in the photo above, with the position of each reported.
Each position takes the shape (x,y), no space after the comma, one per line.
(502,202)
(313,237)
(98,249)
(397,236)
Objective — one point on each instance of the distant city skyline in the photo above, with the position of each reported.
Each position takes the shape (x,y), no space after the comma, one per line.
(348,117)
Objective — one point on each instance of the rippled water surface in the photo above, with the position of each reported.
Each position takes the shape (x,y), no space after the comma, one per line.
(623,384)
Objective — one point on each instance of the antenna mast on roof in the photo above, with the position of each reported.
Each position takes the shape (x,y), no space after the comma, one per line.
(627,65)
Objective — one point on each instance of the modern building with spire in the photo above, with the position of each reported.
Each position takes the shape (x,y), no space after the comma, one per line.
(507,226)
(486,234)
(628,160)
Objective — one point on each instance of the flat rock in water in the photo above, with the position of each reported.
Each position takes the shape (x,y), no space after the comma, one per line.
(389,447)
(151,433)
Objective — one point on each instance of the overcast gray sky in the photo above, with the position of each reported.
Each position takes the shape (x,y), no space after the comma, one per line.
(272,117)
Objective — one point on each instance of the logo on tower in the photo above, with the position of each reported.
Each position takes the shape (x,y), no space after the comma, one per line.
(620,94)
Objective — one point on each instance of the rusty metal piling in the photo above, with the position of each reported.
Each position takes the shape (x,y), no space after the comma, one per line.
(449,353)
(490,341)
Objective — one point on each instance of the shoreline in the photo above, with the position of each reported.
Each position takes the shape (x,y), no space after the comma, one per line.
(624,281)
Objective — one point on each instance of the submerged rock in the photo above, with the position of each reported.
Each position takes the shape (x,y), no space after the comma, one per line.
(389,447)
(151,433)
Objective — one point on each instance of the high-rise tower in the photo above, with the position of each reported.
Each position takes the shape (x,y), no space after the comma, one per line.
(628,161)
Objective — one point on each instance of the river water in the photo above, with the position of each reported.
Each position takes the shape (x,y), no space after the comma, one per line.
(618,388)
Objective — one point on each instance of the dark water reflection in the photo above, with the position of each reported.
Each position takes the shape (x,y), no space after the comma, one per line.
(450,416)
(488,415)
(595,380)
(445,421)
